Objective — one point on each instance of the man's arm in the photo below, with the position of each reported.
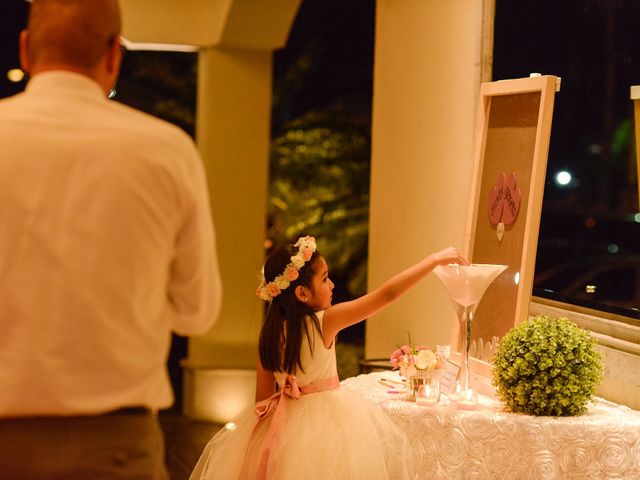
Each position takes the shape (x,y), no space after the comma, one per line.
(195,286)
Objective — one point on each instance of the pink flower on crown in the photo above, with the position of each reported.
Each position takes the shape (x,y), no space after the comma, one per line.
(273,290)
(291,273)
(306,255)
(262,293)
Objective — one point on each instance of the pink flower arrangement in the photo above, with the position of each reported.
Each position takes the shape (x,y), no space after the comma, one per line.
(410,358)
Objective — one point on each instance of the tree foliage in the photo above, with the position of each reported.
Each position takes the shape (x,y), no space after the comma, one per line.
(320,186)
(321,124)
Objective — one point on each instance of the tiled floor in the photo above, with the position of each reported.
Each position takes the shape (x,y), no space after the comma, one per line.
(185,440)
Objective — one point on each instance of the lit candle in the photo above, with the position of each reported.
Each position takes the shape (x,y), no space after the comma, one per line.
(428,395)
(426,401)
(468,400)
(467,405)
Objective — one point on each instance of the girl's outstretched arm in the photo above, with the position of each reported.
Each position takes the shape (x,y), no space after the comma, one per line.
(342,315)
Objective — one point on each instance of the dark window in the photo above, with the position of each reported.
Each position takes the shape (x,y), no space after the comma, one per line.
(590,217)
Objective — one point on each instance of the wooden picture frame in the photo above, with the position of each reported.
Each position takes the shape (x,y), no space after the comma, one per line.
(512,133)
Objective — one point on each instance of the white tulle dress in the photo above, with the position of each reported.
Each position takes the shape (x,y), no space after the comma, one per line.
(328,434)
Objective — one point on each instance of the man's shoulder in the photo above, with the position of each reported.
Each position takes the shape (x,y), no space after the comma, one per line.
(143,120)
(7,103)
(145,125)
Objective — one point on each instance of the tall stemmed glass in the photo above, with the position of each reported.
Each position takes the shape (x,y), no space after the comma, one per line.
(466,285)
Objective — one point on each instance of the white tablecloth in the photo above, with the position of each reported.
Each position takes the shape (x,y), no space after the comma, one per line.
(490,443)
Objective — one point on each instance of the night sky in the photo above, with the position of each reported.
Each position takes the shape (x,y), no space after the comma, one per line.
(13,18)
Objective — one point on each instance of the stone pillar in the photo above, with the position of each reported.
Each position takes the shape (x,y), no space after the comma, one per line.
(233,118)
(427,75)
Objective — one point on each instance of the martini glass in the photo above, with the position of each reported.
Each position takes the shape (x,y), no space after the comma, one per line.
(466,285)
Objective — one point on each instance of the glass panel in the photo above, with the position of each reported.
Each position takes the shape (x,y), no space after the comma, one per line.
(590,218)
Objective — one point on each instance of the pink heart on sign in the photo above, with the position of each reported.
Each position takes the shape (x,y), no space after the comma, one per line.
(496,200)
(511,200)
(504,200)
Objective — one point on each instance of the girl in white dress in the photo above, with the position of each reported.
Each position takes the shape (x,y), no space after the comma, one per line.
(303,425)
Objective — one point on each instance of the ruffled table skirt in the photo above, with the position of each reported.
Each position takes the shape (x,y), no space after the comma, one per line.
(489,443)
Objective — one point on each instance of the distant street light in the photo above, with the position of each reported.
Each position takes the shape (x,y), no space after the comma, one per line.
(15,75)
(563,178)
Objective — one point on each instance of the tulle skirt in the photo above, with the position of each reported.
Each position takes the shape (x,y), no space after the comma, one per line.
(335,434)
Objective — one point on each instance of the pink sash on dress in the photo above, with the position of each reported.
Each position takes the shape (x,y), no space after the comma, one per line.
(277,404)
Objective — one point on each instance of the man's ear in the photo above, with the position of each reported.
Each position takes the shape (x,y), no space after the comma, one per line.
(24,51)
(114,57)
(301,293)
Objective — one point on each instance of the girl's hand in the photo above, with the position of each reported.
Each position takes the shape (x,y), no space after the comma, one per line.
(447,256)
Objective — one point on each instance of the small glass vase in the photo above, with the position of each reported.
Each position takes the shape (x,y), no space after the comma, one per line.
(429,394)
(423,387)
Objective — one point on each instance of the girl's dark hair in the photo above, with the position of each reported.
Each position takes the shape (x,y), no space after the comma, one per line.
(285,324)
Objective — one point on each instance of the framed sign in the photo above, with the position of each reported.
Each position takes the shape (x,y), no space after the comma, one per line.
(511,145)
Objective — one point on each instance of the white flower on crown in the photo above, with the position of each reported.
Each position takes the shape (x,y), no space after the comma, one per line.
(297,261)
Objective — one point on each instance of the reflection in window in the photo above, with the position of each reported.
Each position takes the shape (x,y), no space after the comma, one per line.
(614,285)
(589,227)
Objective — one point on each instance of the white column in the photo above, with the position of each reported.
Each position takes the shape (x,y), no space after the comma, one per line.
(428,63)
(233,119)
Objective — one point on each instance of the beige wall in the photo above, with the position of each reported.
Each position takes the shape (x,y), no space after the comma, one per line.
(427,75)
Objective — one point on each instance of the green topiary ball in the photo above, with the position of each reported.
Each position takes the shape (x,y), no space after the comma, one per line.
(546,366)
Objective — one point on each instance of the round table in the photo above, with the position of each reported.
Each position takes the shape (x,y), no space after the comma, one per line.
(490,443)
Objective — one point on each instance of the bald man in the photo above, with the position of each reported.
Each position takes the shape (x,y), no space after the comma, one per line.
(106,246)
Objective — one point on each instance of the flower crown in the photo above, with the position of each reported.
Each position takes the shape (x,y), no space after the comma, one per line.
(306,247)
